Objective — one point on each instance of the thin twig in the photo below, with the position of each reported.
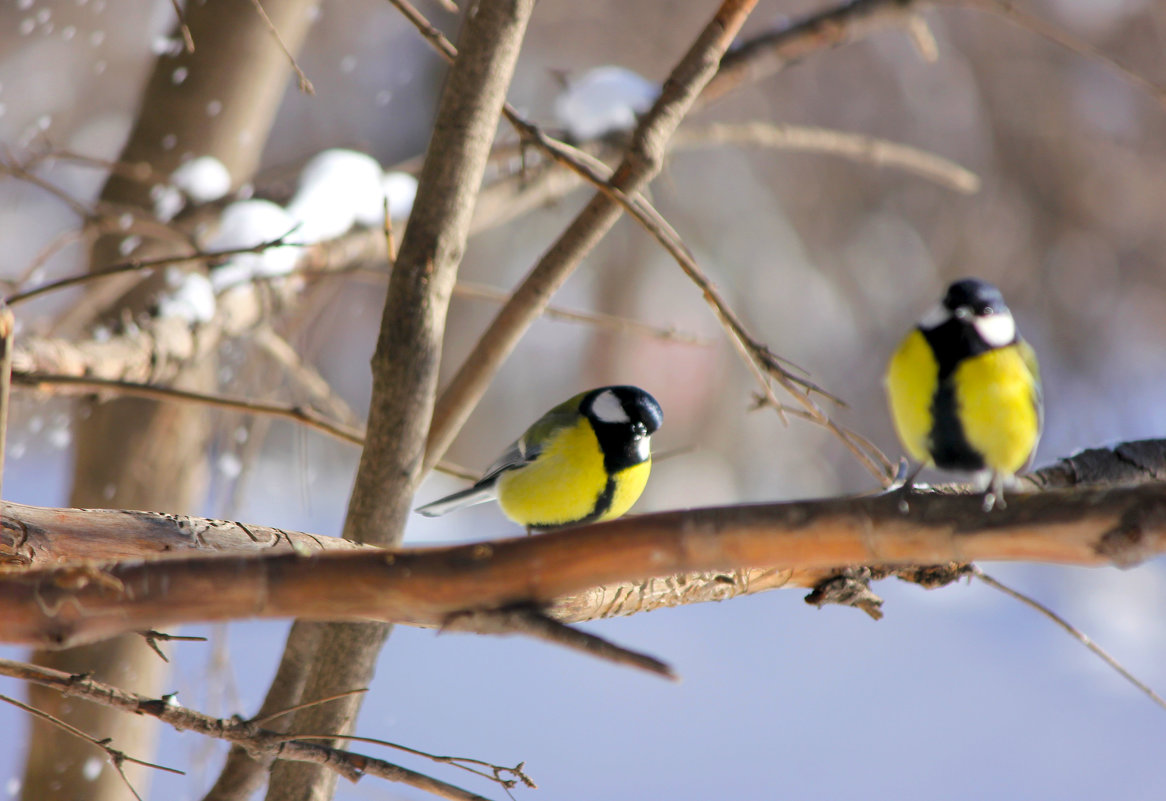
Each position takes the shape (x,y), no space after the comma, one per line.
(1073,632)
(304,84)
(305,415)
(141,172)
(611,322)
(770,52)
(303,375)
(867,149)
(7,328)
(263,742)
(288,710)
(300,414)
(57,244)
(20,173)
(465,763)
(142,264)
(116,757)
(154,637)
(525,619)
(187,39)
(1059,36)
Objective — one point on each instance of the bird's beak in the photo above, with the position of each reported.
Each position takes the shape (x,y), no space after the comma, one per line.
(640,430)
(964,313)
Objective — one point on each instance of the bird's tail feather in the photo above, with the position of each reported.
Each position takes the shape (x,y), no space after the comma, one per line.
(479,493)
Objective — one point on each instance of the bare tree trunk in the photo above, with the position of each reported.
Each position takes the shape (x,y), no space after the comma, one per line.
(405,364)
(138,454)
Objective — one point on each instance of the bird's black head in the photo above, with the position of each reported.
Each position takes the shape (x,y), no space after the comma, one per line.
(973,297)
(972,318)
(624,417)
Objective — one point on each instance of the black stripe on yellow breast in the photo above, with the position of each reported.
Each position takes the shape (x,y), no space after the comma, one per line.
(946,442)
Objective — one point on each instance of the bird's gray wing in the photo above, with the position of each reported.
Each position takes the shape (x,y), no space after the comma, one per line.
(522,451)
(527,447)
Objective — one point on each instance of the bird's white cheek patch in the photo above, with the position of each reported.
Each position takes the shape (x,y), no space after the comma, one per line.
(643,448)
(997,330)
(607,408)
(936,316)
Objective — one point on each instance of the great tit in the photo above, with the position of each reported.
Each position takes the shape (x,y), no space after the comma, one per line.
(964,389)
(587,459)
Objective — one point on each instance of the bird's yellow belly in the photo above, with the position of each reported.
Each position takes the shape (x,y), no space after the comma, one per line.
(994,393)
(568,484)
(912,378)
(629,485)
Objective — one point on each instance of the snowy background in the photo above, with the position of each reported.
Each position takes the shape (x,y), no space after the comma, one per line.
(958,693)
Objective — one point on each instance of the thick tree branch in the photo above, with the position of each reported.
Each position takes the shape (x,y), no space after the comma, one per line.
(426,586)
(32,537)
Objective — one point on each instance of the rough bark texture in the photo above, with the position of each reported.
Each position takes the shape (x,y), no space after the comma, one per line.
(138,454)
(428,586)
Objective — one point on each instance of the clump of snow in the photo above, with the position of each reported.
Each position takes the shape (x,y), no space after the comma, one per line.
(604,100)
(167,46)
(229,465)
(191,297)
(203,179)
(92,768)
(338,188)
(129,244)
(168,201)
(400,189)
(247,223)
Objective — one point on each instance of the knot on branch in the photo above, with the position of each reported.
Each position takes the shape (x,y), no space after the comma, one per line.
(850,587)
(931,577)
(1127,544)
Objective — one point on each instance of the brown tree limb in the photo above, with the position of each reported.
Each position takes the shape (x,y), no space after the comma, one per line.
(35,536)
(426,586)
(32,537)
